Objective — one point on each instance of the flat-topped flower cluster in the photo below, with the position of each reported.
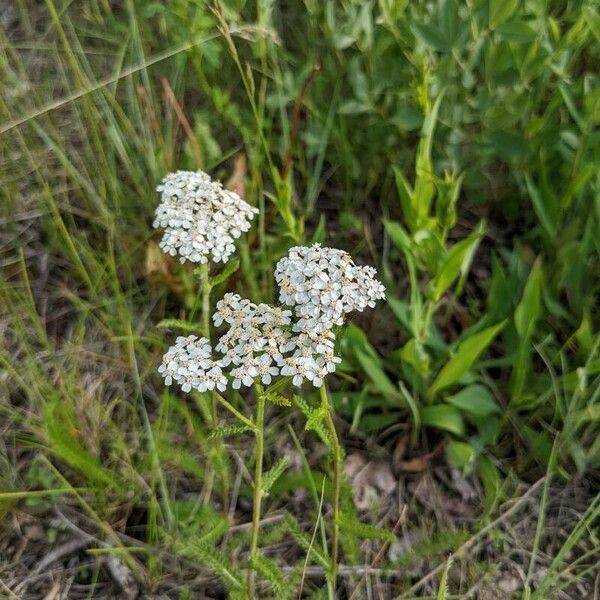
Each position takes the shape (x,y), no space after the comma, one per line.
(320,285)
(201,219)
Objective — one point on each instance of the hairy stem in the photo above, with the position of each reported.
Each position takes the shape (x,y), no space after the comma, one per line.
(257,498)
(337,460)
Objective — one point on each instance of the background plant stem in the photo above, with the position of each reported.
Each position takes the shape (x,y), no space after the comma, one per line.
(337,459)
(257,498)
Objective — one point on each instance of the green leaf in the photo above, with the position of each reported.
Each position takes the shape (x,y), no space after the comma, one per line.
(206,554)
(270,570)
(180,324)
(442,416)
(527,314)
(466,354)
(364,530)
(474,399)
(274,473)
(304,540)
(543,207)
(460,455)
(443,587)
(416,356)
(375,373)
(424,186)
(316,419)
(500,11)
(592,18)
(432,36)
(528,311)
(228,430)
(516,31)
(277,399)
(66,442)
(399,236)
(457,262)
(229,269)
(490,479)
(405,194)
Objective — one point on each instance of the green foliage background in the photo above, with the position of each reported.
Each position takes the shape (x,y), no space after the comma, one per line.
(454,145)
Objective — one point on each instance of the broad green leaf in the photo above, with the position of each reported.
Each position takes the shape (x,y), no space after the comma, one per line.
(376,374)
(474,399)
(399,236)
(543,206)
(415,355)
(405,194)
(592,18)
(401,311)
(528,311)
(432,36)
(457,262)
(424,186)
(516,31)
(460,455)
(488,473)
(466,354)
(500,11)
(527,314)
(442,416)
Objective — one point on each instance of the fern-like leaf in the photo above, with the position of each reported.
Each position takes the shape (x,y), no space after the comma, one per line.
(314,419)
(228,430)
(276,399)
(365,531)
(207,555)
(443,589)
(303,540)
(180,324)
(230,268)
(271,572)
(274,473)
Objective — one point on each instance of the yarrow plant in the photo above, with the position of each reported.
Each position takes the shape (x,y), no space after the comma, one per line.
(295,341)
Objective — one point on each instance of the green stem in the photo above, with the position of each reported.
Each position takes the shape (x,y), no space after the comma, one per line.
(337,460)
(258,493)
(205,290)
(234,411)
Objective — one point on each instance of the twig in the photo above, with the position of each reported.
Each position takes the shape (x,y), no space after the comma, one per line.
(71,547)
(10,593)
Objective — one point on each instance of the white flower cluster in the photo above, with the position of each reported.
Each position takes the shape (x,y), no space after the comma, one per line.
(201,219)
(312,358)
(189,364)
(323,285)
(255,341)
